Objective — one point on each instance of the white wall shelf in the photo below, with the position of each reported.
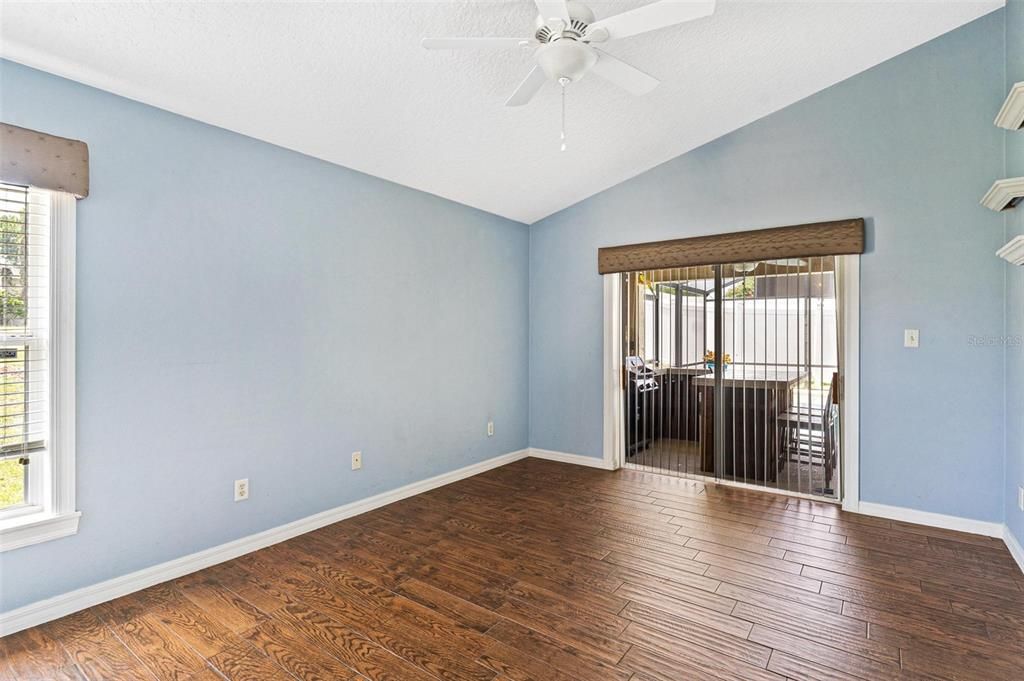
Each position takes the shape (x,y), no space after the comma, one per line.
(1013,252)
(1004,194)
(1011,116)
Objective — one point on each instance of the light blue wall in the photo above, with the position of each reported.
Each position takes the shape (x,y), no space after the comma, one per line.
(246,311)
(908,145)
(1014,288)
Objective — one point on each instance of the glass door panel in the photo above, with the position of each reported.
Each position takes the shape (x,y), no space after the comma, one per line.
(731,372)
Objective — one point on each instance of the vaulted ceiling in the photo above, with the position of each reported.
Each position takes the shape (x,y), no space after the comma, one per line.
(349,83)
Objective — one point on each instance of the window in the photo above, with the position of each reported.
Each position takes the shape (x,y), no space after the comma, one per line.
(37,231)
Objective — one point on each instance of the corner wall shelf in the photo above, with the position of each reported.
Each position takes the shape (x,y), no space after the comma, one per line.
(1013,252)
(1004,194)
(1011,116)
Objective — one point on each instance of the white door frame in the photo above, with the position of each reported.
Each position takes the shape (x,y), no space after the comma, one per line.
(849,290)
(849,418)
(614,417)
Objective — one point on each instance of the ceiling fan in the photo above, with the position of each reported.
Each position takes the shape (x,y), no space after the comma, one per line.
(565,35)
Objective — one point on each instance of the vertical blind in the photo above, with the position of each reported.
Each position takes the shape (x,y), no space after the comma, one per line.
(24,319)
(732,372)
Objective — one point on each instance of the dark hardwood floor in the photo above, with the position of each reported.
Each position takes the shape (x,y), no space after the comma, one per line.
(546,571)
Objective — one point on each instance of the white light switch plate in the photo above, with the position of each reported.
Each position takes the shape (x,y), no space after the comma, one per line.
(357,460)
(911,338)
(1020,497)
(490,428)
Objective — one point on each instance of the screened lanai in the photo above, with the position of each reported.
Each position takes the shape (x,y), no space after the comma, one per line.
(732,373)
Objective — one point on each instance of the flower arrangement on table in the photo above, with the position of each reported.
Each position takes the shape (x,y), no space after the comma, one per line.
(709,360)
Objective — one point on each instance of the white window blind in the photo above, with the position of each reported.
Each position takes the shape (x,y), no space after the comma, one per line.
(37,366)
(24,321)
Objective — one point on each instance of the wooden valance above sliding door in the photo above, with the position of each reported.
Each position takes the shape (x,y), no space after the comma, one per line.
(45,161)
(842,237)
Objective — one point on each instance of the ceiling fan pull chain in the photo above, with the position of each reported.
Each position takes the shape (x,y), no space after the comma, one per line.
(563,82)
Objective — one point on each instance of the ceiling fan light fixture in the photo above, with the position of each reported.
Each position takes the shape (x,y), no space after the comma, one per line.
(566,59)
(565,30)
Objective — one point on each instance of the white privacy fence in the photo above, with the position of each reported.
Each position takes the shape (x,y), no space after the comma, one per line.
(780,332)
(776,331)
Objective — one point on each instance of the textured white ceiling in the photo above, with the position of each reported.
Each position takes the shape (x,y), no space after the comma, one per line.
(348,82)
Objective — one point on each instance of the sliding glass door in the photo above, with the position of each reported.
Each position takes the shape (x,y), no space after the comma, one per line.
(732,372)
(664,341)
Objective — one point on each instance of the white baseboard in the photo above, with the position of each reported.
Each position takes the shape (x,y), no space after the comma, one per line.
(49,609)
(948,522)
(1016,550)
(577,459)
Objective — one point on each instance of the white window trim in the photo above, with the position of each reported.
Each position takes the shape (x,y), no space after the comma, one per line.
(56,515)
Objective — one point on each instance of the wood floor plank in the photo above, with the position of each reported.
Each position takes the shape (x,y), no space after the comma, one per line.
(297,655)
(705,637)
(799,669)
(781,602)
(433,651)
(760,554)
(348,646)
(837,631)
(566,658)
(460,610)
(683,572)
(511,663)
(227,607)
(610,649)
(207,636)
(542,571)
(672,648)
(32,655)
(705,617)
(165,655)
(960,664)
(676,592)
(242,662)
(206,674)
(758,569)
(824,655)
(864,578)
(931,623)
(808,595)
(96,651)
(650,666)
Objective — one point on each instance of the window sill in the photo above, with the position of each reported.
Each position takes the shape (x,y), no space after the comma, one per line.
(36,528)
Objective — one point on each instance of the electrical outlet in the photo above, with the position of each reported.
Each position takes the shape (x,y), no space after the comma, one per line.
(357,460)
(911,338)
(1020,497)
(490,429)
(242,489)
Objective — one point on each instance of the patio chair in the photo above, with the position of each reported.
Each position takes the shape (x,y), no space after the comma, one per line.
(809,434)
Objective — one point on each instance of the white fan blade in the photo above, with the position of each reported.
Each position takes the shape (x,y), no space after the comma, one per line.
(618,72)
(474,43)
(652,17)
(553,9)
(528,88)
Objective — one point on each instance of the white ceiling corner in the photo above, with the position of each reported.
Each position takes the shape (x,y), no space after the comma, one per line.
(348,82)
